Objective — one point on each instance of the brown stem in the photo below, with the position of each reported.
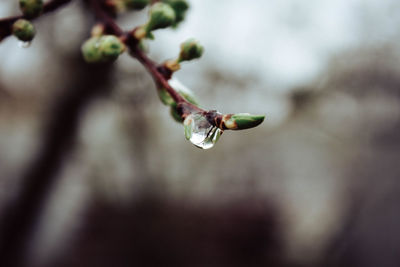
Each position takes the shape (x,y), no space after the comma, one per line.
(157,76)
(135,52)
(6,23)
(109,22)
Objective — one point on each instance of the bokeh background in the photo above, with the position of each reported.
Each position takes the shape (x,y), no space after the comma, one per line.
(117,184)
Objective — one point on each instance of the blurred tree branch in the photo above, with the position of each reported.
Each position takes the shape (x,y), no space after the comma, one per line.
(23,215)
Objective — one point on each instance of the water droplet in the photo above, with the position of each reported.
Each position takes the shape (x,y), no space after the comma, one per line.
(200,132)
(23,44)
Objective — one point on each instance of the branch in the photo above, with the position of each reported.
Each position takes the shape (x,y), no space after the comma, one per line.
(108,21)
(160,78)
(6,23)
(161,74)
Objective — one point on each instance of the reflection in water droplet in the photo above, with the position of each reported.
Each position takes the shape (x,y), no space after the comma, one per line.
(23,44)
(200,132)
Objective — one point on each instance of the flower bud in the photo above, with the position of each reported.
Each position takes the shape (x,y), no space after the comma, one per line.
(136,4)
(161,16)
(102,49)
(90,50)
(31,8)
(23,30)
(190,49)
(241,121)
(180,7)
(111,47)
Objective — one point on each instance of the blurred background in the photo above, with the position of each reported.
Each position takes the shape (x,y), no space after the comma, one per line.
(99,174)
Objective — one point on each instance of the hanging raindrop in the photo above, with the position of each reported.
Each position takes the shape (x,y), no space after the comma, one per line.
(200,132)
(22,44)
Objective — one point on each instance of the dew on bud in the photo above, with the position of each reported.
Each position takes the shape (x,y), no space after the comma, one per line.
(200,132)
(22,44)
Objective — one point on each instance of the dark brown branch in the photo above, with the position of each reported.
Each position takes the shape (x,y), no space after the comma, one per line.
(6,23)
(108,21)
(113,28)
(152,69)
(184,107)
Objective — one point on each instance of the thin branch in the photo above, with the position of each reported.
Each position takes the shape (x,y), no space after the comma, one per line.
(160,79)
(158,76)
(6,23)
(108,21)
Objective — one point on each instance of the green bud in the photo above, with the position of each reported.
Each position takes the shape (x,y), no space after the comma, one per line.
(242,121)
(23,30)
(180,7)
(136,4)
(90,50)
(102,49)
(161,16)
(110,47)
(190,49)
(31,8)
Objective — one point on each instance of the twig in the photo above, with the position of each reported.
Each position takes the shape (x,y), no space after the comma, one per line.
(111,27)
(109,22)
